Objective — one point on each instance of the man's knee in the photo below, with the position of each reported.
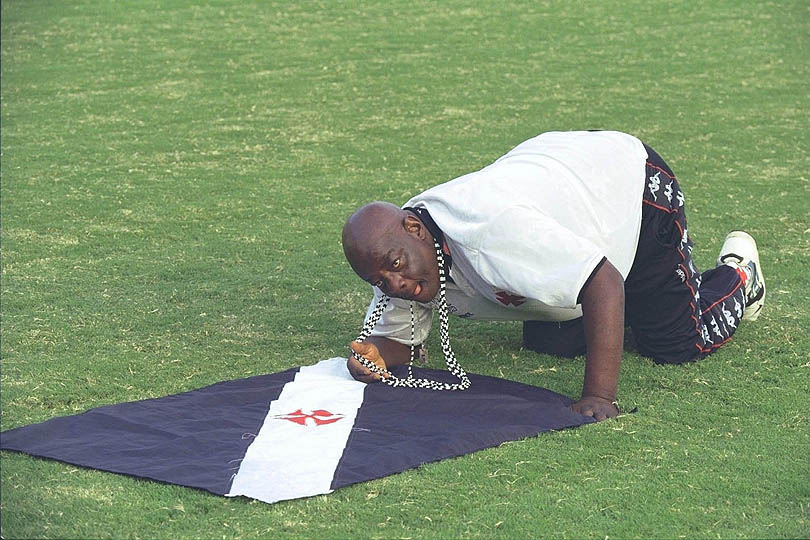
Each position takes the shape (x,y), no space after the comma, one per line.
(566,339)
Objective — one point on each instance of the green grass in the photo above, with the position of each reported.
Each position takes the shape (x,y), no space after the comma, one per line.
(175,176)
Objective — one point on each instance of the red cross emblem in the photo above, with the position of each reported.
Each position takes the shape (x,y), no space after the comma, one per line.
(319,417)
(506,298)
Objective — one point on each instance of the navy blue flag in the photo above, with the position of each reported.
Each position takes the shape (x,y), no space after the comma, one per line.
(301,432)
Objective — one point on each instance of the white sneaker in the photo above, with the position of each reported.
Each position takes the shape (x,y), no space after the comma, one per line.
(740,251)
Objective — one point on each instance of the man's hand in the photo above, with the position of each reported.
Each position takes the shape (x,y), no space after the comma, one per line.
(369,352)
(599,408)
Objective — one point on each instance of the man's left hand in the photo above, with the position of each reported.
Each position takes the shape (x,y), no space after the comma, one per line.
(599,408)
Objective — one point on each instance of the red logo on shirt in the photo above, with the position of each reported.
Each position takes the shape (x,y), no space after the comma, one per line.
(506,298)
(318,417)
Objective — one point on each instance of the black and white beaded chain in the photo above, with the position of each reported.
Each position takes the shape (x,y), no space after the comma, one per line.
(450,358)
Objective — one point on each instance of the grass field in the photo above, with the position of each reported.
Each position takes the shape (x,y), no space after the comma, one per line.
(175,176)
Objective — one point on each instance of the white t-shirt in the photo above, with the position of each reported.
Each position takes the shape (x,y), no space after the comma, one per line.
(526,232)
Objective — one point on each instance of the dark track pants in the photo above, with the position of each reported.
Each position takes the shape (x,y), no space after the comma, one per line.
(677,313)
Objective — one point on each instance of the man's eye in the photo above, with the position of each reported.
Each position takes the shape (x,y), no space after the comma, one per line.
(396,264)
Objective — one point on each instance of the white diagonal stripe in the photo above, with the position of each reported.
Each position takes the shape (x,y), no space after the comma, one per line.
(288,459)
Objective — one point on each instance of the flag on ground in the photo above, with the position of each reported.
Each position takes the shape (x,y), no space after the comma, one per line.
(302,432)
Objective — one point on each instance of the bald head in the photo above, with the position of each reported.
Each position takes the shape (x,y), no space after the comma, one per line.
(367,227)
(392,249)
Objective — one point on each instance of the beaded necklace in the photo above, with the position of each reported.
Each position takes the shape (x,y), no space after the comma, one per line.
(452,364)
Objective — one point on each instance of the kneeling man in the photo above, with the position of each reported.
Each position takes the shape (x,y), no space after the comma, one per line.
(570,232)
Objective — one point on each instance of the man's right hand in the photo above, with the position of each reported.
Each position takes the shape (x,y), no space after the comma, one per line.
(369,352)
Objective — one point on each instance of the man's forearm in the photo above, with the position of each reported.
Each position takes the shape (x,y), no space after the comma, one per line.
(603,317)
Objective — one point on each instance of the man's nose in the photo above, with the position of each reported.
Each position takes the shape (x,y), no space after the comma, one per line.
(396,283)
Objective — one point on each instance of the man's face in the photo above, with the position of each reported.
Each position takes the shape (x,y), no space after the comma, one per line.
(400,260)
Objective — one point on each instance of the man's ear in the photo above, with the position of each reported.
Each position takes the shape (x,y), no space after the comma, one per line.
(413,226)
